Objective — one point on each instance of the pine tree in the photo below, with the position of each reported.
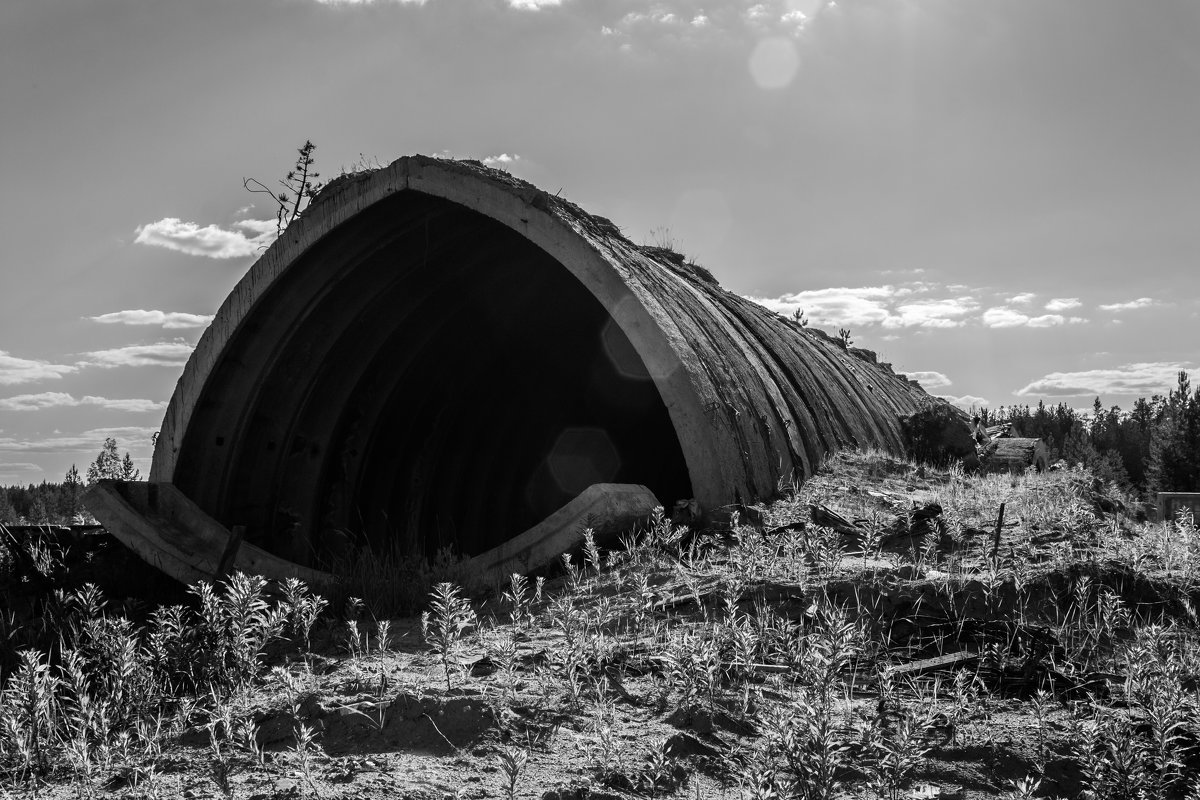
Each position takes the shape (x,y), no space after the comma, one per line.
(71,496)
(300,186)
(8,513)
(109,465)
(39,513)
(128,471)
(1174,464)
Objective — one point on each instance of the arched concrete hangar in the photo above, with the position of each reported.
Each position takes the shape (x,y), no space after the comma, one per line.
(441,352)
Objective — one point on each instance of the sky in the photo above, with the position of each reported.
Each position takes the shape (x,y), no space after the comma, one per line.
(1000,198)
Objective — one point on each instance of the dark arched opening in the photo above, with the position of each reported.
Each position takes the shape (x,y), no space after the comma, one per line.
(423,374)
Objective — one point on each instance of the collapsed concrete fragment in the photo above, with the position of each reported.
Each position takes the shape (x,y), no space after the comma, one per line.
(440,353)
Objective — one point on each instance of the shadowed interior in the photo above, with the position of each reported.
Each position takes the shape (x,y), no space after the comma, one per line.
(423,373)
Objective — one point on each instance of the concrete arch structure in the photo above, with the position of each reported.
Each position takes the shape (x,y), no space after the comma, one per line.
(440,352)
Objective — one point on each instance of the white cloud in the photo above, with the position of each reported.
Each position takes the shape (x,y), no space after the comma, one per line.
(167,319)
(916,304)
(1003,317)
(211,241)
(1141,379)
(502,161)
(534,5)
(124,404)
(947,313)
(87,442)
(966,401)
(861,306)
(876,305)
(1063,303)
(37,402)
(757,12)
(163,354)
(654,17)
(1132,305)
(15,370)
(1047,321)
(930,380)
(686,21)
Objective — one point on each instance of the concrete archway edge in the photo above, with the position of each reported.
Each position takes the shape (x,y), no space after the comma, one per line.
(753,398)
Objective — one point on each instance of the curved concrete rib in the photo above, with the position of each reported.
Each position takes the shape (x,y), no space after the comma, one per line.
(605,508)
(438,353)
(170,533)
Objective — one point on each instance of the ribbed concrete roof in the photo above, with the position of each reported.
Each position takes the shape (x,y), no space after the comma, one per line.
(441,352)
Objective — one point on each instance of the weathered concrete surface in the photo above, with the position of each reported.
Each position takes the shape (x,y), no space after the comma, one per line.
(170,533)
(606,508)
(440,352)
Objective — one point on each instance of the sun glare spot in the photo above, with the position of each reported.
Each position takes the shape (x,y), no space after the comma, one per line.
(774,63)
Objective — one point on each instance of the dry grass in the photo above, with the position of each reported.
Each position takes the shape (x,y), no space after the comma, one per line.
(900,658)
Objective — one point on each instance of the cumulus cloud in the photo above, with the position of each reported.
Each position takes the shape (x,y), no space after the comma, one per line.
(87,442)
(682,21)
(534,5)
(865,305)
(163,354)
(502,161)
(1004,317)
(124,404)
(930,380)
(167,319)
(1141,379)
(966,401)
(1023,299)
(15,370)
(947,313)
(1063,303)
(888,306)
(1132,305)
(211,241)
(37,402)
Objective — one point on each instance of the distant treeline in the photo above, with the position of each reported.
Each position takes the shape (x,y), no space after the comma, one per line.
(62,503)
(1153,447)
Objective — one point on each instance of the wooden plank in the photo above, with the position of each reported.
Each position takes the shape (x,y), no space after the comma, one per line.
(937,662)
